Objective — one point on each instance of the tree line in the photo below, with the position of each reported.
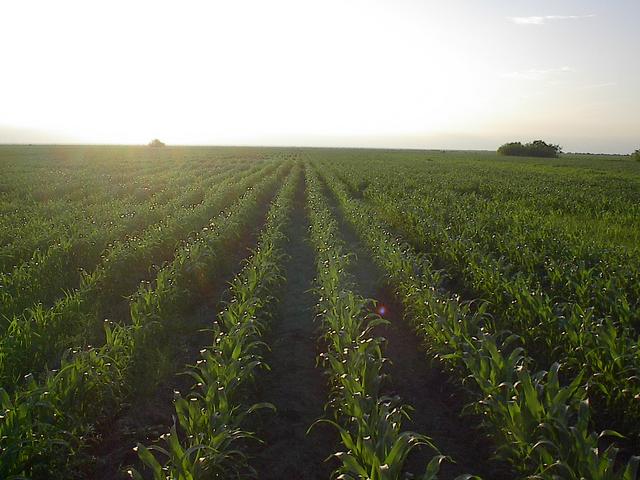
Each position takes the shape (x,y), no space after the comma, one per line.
(537,148)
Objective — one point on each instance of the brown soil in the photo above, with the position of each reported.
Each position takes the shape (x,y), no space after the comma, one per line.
(294,384)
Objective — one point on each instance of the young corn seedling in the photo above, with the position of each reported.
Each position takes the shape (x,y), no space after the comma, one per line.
(369,424)
(211,417)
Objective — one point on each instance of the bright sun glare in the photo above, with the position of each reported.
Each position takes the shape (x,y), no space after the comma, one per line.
(380,73)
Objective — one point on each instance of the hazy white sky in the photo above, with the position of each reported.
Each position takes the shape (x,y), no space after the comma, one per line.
(397,73)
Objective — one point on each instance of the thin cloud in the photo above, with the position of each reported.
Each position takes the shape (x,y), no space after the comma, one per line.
(537,74)
(542,19)
(601,85)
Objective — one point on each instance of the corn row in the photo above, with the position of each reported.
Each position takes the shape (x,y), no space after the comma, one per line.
(44,227)
(79,176)
(526,222)
(27,226)
(37,337)
(587,324)
(46,424)
(204,443)
(541,427)
(369,423)
(48,274)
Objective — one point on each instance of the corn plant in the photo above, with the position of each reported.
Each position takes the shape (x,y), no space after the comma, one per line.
(36,339)
(369,423)
(530,412)
(93,381)
(545,284)
(211,417)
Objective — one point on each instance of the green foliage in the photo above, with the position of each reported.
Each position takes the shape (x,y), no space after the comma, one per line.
(36,337)
(537,148)
(541,425)
(532,272)
(522,279)
(212,415)
(92,382)
(369,424)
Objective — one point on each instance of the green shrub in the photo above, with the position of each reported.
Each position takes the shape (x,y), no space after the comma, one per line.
(537,148)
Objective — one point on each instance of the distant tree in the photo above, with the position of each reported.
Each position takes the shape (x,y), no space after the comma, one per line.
(537,148)
(512,148)
(156,143)
(636,155)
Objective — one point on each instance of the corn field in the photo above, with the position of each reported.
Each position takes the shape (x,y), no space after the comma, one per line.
(193,313)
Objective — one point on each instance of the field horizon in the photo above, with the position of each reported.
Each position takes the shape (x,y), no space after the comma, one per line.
(311,147)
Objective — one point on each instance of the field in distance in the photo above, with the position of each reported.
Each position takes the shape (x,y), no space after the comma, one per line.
(223,312)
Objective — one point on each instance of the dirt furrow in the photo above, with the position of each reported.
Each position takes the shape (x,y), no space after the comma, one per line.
(294,384)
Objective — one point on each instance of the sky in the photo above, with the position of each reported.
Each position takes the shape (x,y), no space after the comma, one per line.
(460,74)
